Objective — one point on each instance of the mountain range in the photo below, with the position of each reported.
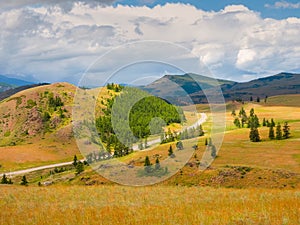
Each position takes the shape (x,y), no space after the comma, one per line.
(180,88)
(7,83)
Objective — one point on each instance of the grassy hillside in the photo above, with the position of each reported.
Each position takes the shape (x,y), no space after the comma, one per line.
(177,87)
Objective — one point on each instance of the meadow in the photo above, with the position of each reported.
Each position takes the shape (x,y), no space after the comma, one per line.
(147,205)
(248,183)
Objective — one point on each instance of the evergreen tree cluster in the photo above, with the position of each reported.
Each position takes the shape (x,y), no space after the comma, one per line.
(211,147)
(157,170)
(79,166)
(6,180)
(114,87)
(139,114)
(275,131)
(185,134)
(280,132)
(97,156)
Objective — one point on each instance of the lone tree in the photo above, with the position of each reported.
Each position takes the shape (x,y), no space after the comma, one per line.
(79,168)
(24,181)
(157,164)
(213,151)
(253,124)
(170,152)
(254,135)
(147,164)
(271,132)
(286,131)
(278,132)
(179,145)
(75,161)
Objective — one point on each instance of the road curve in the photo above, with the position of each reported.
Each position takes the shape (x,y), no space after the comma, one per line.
(135,147)
(20,172)
(157,141)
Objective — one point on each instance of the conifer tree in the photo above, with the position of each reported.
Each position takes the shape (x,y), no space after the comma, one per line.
(254,135)
(170,151)
(264,122)
(272,123)
(4,179)
(213,151)
(233,113)
(24,181)
(286,131)
(157,164)
(271,133)
(237,122)
(75,161)
(79,168)
(278,132)
(147,164)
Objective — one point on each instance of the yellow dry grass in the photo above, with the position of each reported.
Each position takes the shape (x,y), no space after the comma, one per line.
(147,205)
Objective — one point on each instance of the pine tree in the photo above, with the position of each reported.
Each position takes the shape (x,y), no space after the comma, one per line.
(272,123)
(213,151)
(251,112)
(147,164)
(264,122)
(200,130)
(24,181)
(286,131)
(258,99)
(254,135)
(251,99)
(209,142)
(179,145)
(206,142)
(75,161)
(271,133)
(278,132)
(79,168)
(147,161)
(157,164)
(170,151)
(237,122)
(233,112)
(4,179)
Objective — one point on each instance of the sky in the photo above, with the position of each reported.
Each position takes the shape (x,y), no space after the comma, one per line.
(132,41)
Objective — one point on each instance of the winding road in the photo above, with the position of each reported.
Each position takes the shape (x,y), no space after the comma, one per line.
(135,147)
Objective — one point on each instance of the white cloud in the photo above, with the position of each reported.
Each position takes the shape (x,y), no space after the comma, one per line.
(284,5)
(51,43)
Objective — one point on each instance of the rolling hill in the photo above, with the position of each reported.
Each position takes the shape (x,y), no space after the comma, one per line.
(180,88)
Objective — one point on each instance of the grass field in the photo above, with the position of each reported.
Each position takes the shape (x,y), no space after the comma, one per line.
(248,183)
(148,205)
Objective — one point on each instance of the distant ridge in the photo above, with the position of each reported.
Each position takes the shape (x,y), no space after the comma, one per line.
(279,84)
(10,92)
(13,81)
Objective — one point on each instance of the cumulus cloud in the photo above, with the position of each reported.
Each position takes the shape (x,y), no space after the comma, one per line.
(284,5)
(51,43)
(65,3)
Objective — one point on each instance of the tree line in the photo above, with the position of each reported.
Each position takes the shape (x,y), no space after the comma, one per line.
(252,122)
